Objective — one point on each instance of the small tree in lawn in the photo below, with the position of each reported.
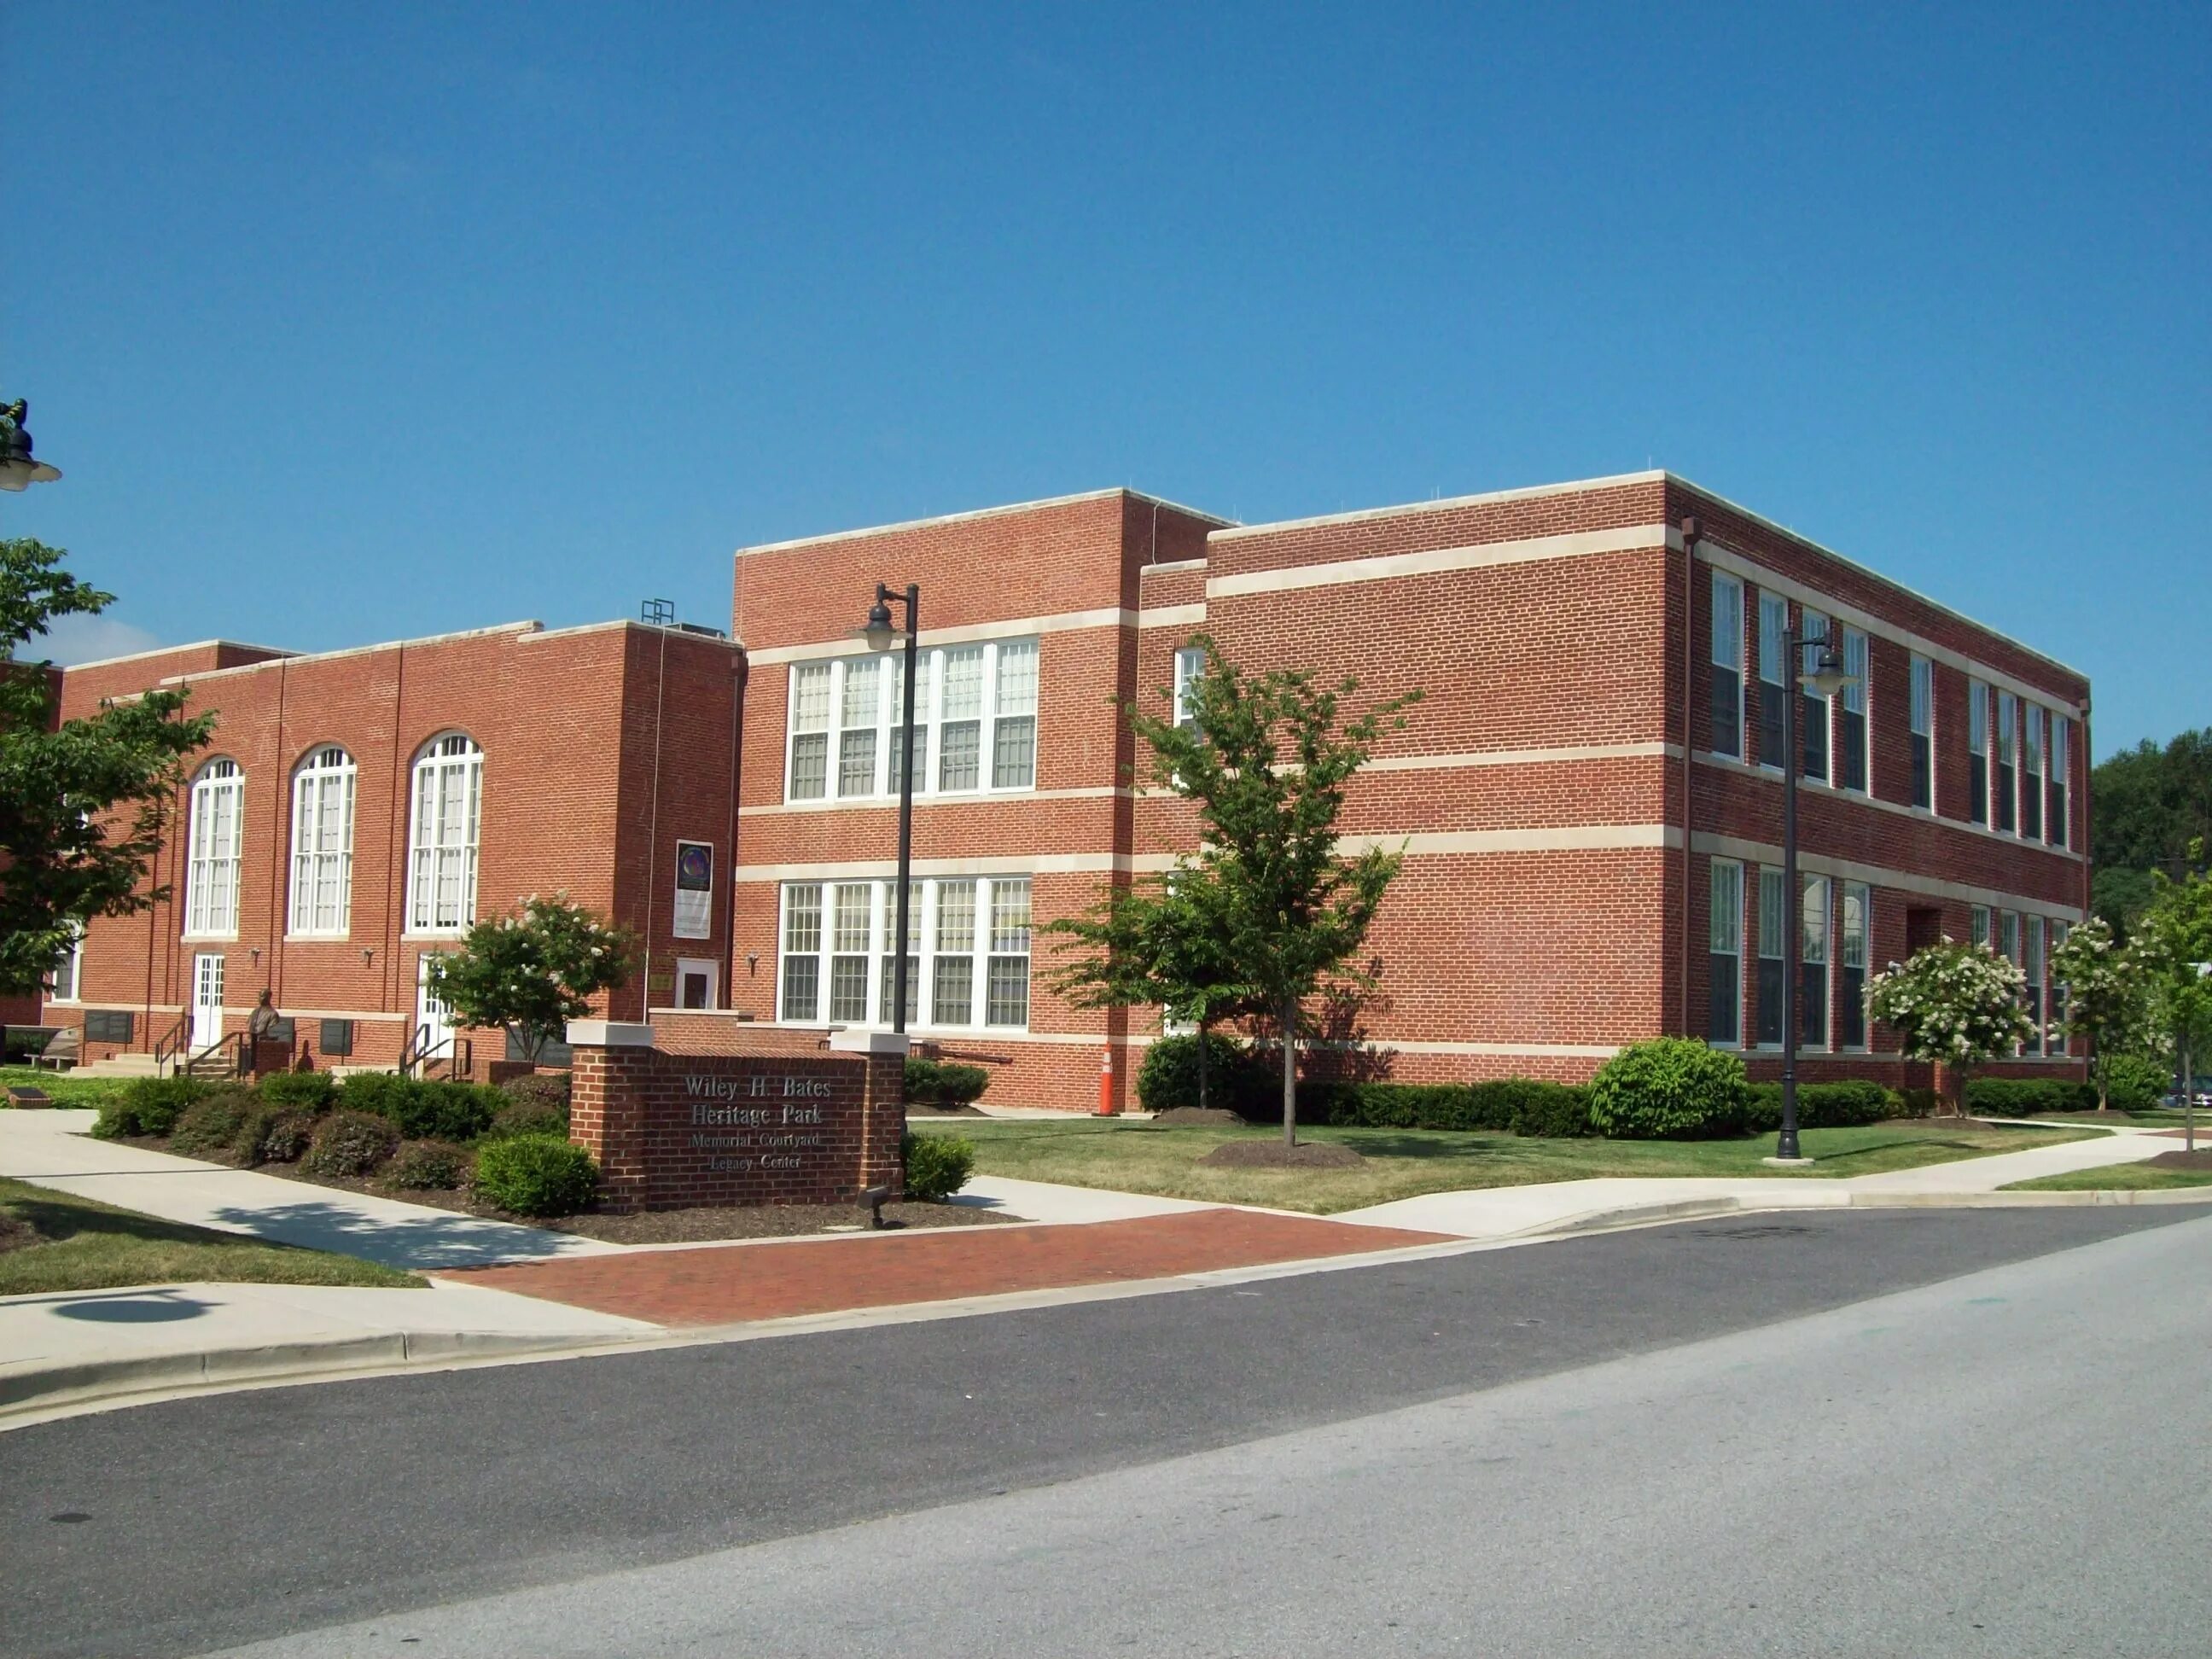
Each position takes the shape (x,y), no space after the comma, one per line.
(533,971)
(1165,939)
(1959,1004)
(2107,999)
(1263,758)
(83,802)
(2174,937)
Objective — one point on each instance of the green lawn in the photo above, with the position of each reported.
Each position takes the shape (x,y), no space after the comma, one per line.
(67,1089)
(1138,1157)
(84,1246)
(2115,1178)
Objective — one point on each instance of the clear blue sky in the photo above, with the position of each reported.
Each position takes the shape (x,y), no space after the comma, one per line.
(351,323)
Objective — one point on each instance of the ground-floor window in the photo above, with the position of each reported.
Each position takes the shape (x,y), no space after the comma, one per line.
(1773,932)
(1725,958)
(1850,966)
(968,962)
(1813,969)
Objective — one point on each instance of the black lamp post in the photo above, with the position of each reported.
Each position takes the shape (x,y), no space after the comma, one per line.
(18,470)
(1826,678)
(879,632)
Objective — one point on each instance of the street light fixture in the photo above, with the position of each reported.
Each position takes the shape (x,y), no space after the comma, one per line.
(19,469)
(879,632)
(1827,676)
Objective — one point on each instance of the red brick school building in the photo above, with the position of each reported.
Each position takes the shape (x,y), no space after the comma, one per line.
(1589,796)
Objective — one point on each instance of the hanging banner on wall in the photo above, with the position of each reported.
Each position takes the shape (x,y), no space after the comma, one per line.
(694,889)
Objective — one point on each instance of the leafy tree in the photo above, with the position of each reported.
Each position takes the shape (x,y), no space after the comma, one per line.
(2149,805)
(1270,899)
(533,971)
(1959,1004)
(83,802)
(2107,999)
(2174,937)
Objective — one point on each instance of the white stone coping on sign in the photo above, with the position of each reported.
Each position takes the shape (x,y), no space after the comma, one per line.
(609,1034)
(859,1040)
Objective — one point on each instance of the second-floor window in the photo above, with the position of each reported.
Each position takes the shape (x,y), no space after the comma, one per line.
(1773,683)
(2008,761)
(1851,715)
(2030,771)
(1728,666)
(322,843)
(2055,809)
(1815,714)
(1977,752)
(447,810)
(212,858)
(975,716)
(1924,733)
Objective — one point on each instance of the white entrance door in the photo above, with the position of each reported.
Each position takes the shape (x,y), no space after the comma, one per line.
(695,982)
(433,1021)
(207,1000)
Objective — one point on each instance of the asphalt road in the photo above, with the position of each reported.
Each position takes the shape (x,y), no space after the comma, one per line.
(1802,1436)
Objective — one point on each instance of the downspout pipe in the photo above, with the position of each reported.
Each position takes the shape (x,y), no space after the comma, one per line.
(1692,532)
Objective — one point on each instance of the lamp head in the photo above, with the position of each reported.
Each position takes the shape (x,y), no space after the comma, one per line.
(18,468)
(878,631)
(1827,675)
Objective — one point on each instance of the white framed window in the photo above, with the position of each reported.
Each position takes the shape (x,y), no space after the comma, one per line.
(2055,997)
(66,983)
(1773,960)
(975,717)
(322,844)
(968,963)
(1854,922)
(1977,924)
(2030,771)
(1726,653)
(1923,734)
(2007,784)
(1813,969)
(1773,681)
(2056,806)
(1977,752)
(211,864)
(1189,669)
(444,820)
(2035,965)
(1852,761)
(1813,716)
(1724,956)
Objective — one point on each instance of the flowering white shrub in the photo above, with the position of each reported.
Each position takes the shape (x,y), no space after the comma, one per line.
(1963,1004)
(532,971)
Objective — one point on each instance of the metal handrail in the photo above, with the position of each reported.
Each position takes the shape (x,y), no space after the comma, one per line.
(170,1042)
(235,1041)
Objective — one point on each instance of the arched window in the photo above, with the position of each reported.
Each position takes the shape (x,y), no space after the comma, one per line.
(448,797)
(211,865)
(322,843)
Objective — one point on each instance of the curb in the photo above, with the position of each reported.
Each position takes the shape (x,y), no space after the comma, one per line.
(31,1394)
(1692,1209)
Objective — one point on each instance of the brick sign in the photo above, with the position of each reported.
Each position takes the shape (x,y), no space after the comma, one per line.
(672,1131)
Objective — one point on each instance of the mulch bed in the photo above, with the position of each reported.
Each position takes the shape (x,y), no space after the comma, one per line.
(1273,1155)
(1213,1116)
(2197,1160)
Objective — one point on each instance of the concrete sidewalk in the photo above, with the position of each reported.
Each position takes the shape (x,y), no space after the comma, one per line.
(54,1149)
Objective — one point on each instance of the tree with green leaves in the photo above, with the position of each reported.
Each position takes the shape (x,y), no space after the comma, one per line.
(2149,806)
(1274,910)
(1959,1005)
(84,804)
(532,971)
(2174,939)
(2108,1001)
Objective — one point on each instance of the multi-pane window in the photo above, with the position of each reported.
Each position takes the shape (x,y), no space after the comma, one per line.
(66,983)
(2008,761)
(2030,771)
(1773,681)
(1978,924)
(2033,964)
(448,804)
(2055,998)
(322,843)
(1924,733)
(1725,958)
(974,722)
(1773,943)
(1813,971)
(211,864)
(1189,669)
(2009,942)
(1977,752)
(1850,965)
(969,946)
(1851,715)
(1813,713)
(1728,666)
(2055,810)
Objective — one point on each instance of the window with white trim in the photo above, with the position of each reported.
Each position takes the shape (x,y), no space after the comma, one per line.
(1814,714)
(1189,669)
(1977,752)
(1852,926)
(2056,809)
(1726,654)
(1773,962)
(445,816)
(217,834)
(1724,955)
(66,983)
(2033,963)
(1773,681)
(1851,715)
(974,721)
(322,844)
(968,966)
(2008,761)
(1977,925)
(1813,967)
(1924,733)
(2055,997)
(2030,771)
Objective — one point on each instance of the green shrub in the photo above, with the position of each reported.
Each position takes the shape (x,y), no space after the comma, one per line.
(2026,1096)
(961,1085)
(936,1166)
(2133,1083)
(546,1091)
(428,1166)
(523,1119)
(1237,1079)
(1669,1088)
(424,1111)
(1510,1105)
(536,1174)
(1914,1103)
(1820,1106)
(383,1093)
(148,1106)
(1559,1111)
(923,1079)
(350,1144)
(317,1091)
(271,1134)
(209,1127)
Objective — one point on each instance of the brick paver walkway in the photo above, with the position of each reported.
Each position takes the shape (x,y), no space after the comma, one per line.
(731,1284)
